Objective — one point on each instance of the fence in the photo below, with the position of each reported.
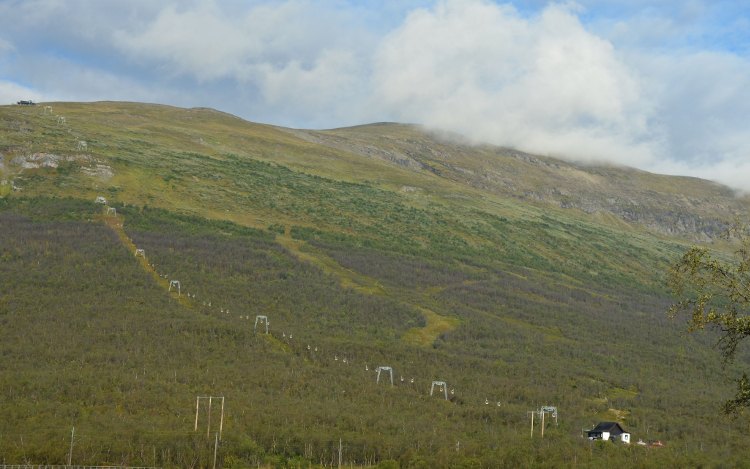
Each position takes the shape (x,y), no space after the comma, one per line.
(65,466)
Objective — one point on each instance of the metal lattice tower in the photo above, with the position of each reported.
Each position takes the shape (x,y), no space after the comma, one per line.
(175,284)
(140,252)
(384,368)
(548,409)
(260,318)
(442,385)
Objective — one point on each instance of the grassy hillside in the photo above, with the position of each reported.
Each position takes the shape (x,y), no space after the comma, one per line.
(361,257)
(663,204)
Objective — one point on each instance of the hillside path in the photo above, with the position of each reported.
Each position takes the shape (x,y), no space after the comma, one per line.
(435,324)
(116,223)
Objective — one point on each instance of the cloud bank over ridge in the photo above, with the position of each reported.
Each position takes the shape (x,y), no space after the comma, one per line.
(611,81)
(543,84)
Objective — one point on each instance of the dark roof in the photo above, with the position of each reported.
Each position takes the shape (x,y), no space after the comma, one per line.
(613,428)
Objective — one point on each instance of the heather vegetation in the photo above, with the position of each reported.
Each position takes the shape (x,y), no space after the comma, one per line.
(90,341)
(514,305)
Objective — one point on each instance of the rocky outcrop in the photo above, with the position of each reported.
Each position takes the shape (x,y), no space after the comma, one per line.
(88,164)
(38,160)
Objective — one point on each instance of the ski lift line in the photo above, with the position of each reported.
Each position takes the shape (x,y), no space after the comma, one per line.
(442,387)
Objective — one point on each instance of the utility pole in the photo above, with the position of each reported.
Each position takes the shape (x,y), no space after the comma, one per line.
(221,421)
(339,453)
(208,428)
(197,403)
(70,453)
(542,423)
(210,403)
(216,448)
(532,412)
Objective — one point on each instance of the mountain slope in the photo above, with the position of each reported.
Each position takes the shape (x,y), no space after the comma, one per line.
(666,204)
(161,143)
(381,245)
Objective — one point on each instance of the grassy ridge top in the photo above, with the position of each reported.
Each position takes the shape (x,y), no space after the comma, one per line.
(167,156)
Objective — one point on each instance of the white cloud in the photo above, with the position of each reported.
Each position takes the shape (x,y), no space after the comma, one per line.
(208,42)
(542,84)
(196,41)
(12,92)
(547,85)
(328,91)
(732,172)
(58,79)
(703,100)
(302,58)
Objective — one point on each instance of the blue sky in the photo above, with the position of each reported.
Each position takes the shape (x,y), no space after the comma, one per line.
(660,85)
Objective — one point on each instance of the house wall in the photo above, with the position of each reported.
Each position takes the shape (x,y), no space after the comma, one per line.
(605,436)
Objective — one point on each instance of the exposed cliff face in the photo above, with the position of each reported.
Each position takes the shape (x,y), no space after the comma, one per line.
(669,205)
(665,220)
(659,214)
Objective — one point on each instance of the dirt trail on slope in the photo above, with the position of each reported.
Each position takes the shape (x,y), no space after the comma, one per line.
(116,223)
(436,324)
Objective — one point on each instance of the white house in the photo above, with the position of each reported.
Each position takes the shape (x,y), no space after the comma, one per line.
(609,431)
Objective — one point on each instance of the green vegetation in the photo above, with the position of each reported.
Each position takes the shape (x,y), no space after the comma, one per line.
(514,304)
(715,292)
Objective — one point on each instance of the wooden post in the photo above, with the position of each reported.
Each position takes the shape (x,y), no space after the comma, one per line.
(70,453)
(208,428)
(221,422)
(542,424)
(197,401)
(532,422)
(216,448)
(339,453)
